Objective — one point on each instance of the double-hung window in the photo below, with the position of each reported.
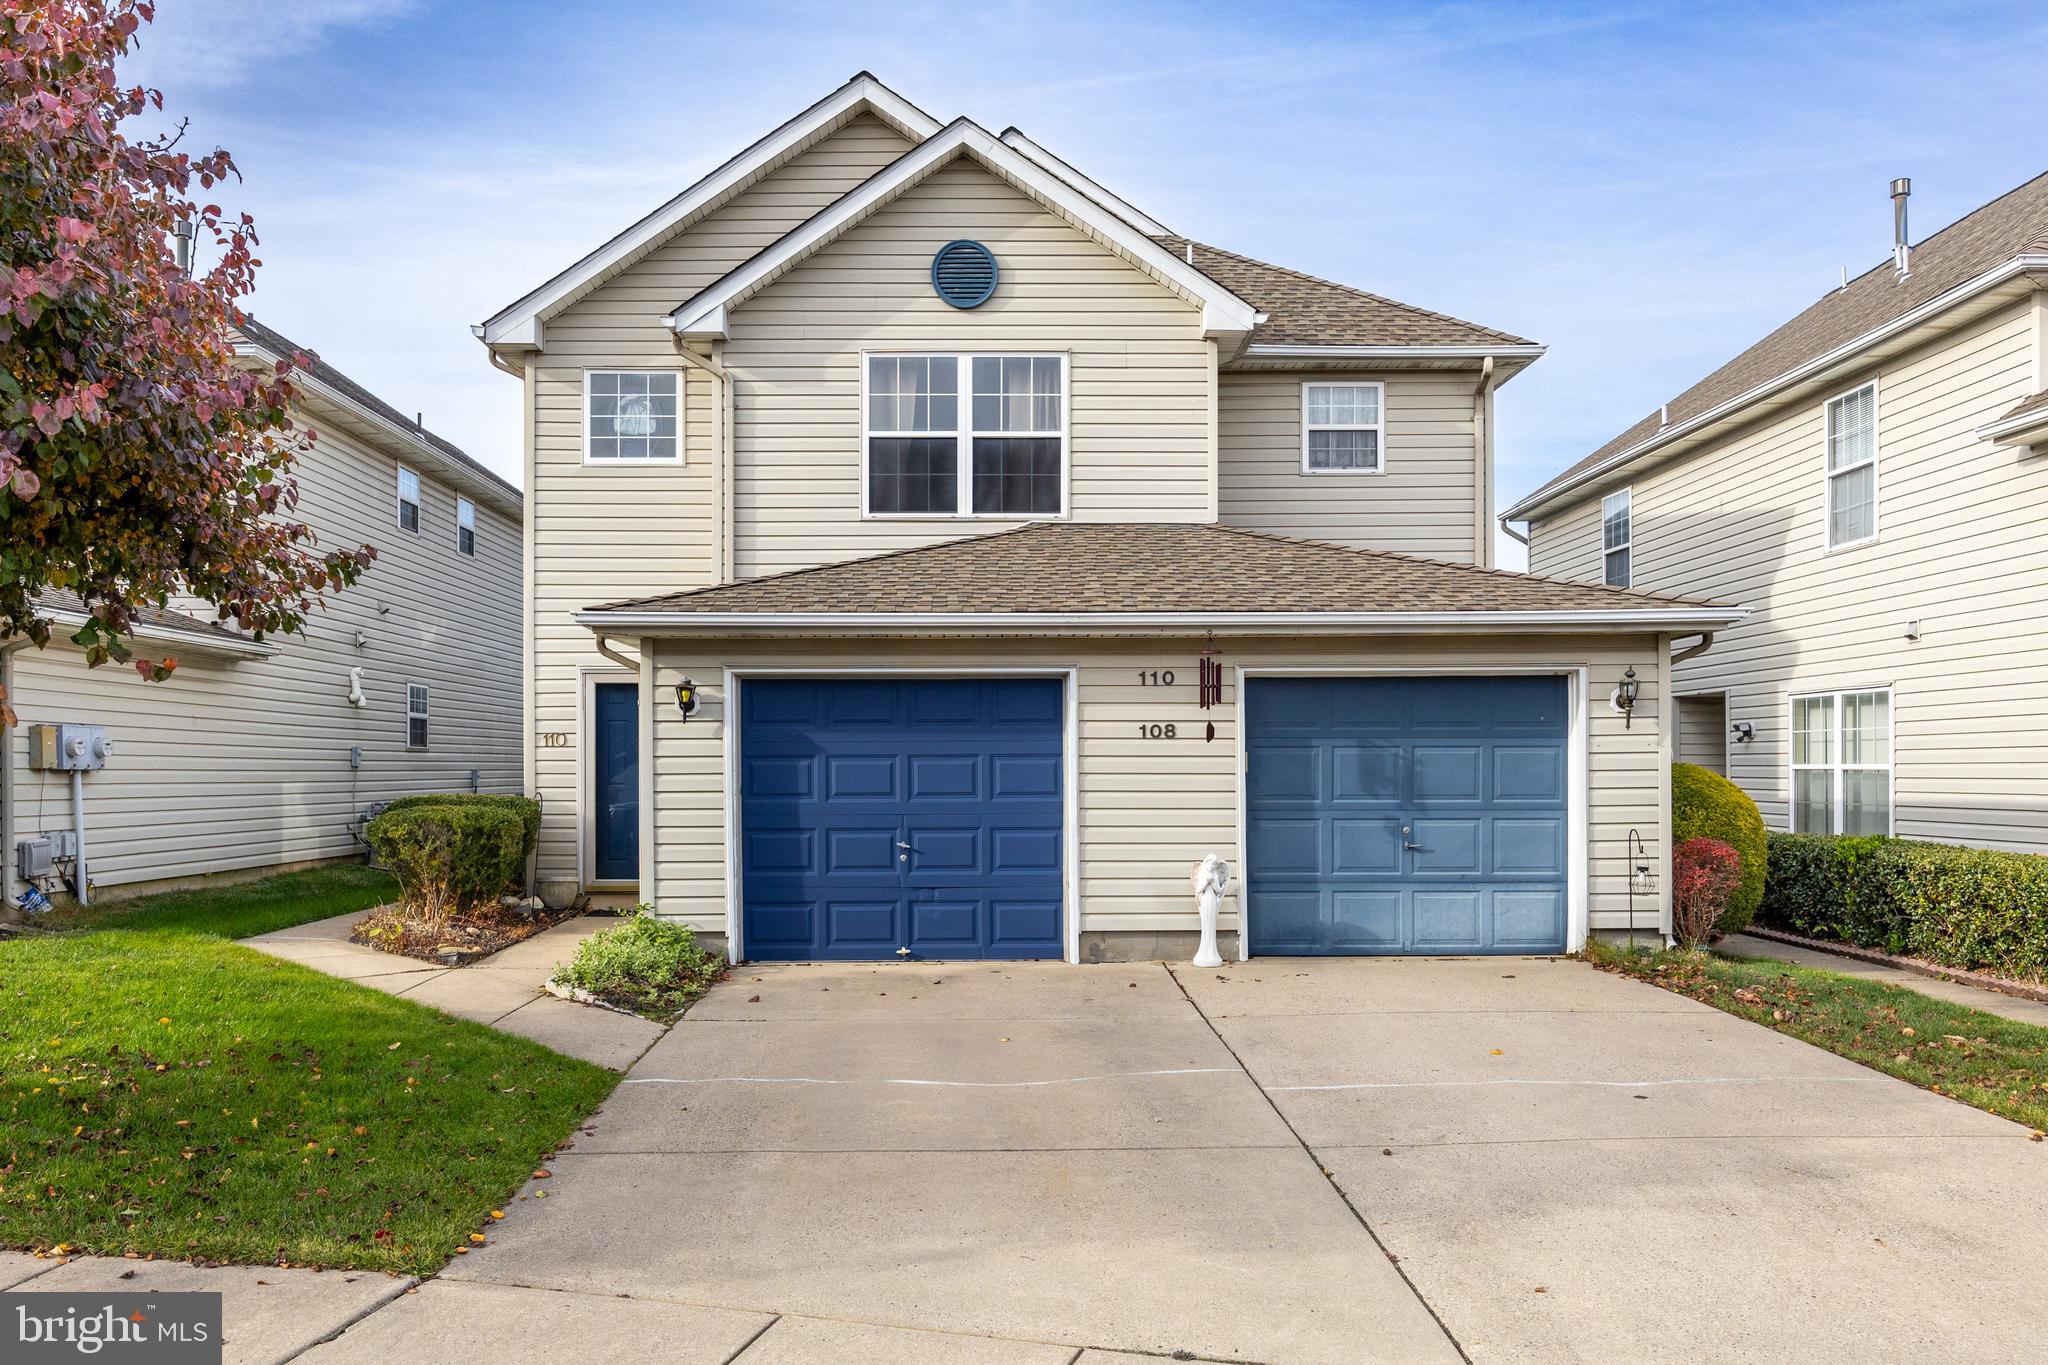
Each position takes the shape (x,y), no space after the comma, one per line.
(408,500)
(632,416)
(966,435)
(415,715)
(1842,763)
(465,527)
(1852,467)
(1343,428)
(1617,537)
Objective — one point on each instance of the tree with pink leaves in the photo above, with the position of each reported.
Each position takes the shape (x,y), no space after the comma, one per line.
(138,459)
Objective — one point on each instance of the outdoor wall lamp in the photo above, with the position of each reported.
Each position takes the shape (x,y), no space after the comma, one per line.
(686,698)
(1744,732)
(1625,698)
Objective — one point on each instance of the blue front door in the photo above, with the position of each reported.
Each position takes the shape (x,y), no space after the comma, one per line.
(1406,815)
(901,818)
(615,783)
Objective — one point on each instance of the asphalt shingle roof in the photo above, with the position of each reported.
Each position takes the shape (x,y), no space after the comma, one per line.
(2014,224)
(1067,567)
(57,599)
(1302,310)
(2034,404)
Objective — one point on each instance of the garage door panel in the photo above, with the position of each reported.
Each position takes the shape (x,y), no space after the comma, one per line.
(1406,815)
(838,774)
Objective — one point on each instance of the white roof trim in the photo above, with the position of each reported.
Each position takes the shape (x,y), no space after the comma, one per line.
(1848,350)
(1504,351)
(2013,426)
(520,324)
(706,315)
(1291,622)
(1094,189)
(191,642)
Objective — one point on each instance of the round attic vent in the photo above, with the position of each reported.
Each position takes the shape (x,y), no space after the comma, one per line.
(964,274)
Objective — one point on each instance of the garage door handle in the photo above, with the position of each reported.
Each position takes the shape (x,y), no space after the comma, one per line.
(1411,845)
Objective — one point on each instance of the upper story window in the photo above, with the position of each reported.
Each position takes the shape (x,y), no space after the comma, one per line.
(965,435)
(1852,467)
(1617,537)
(408,500)
(1342,428)
(1842,763)
(465,526)
(415,715)
(632,415)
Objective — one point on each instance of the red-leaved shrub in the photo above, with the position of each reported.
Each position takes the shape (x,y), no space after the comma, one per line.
(1704,876)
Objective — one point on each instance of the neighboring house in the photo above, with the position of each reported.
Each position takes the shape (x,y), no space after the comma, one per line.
(252,754)
(1869,479)
(934,556)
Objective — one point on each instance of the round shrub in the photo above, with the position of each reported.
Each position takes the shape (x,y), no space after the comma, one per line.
(1706,805)
(450,857)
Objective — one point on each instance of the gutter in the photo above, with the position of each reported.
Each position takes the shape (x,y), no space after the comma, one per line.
(2013,426)
(1685,619)
(722,473)
(218,646)
(1940,303)
(1277,350)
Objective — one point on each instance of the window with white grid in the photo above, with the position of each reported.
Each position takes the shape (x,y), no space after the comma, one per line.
(1842,763)
(1342,428)
(965,435)
(1852,467)
(632,416)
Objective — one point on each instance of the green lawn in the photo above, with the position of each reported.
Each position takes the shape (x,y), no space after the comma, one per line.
(167,1092)
(1996,1064)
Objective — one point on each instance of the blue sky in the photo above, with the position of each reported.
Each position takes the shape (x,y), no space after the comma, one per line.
(1644,188)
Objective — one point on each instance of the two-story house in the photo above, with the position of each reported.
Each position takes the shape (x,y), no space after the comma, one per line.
(259,755)
(1868,479)
(932,555)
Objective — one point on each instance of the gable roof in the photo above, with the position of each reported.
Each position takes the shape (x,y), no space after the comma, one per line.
(322,380)
(1978,251)
(1060,575)
(519,324)
(706,314)
(1302,311)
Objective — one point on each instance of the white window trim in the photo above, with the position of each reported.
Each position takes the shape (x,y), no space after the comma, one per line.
(1608,552)
(637,461)
(1379,427)
(964,437)
(1828,475)
(423,715)
(1838,767)
(398,501)
(462,504)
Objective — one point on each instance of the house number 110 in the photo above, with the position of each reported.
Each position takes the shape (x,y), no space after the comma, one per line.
(1155,677)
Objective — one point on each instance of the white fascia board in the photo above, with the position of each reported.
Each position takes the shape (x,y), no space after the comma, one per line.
(1819,365)
(1651,619)
(1273,350)
(504,498)
(186,641)
(706,315)
(1115,203)
(518,326)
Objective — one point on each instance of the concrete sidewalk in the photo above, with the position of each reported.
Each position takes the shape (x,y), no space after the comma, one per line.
(503,990)
(1955,992)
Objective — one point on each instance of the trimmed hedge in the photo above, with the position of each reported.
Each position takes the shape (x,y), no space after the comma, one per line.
(1973,908)
(1706,805)
(455,853)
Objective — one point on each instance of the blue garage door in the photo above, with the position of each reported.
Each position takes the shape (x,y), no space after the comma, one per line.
(900,818)
(1406,815)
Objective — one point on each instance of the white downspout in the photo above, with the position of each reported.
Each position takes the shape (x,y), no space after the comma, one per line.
(723,444)
(1482,500)
(80,889)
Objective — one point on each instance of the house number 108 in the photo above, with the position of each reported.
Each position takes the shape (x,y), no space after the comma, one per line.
(1157,730)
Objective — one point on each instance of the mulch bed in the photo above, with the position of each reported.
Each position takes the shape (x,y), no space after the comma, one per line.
(2025,990)
(455,941)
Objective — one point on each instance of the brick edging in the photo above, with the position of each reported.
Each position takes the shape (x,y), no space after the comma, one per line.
(1998,985)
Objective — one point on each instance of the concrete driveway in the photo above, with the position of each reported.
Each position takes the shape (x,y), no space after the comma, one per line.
(1331,1161)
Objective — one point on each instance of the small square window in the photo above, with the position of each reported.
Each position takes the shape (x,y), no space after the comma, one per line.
(465,527)
(1342,428)
(415,715)
(632,415)
(408,500)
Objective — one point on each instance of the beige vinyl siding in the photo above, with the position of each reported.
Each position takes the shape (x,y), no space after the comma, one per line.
(1958,551)
(602,534)
(1150,809)
(1703,731)
(1139,371)
(244,764)
(1425,502)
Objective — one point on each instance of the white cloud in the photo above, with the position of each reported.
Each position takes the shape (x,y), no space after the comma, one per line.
(202,44)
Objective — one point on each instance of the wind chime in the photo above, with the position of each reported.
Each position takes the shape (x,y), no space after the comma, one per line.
(1210,679)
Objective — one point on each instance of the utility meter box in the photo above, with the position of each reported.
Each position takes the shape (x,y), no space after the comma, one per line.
(67,747)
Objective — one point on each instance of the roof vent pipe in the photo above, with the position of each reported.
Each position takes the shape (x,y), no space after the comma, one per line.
(181,238)
(1902,246)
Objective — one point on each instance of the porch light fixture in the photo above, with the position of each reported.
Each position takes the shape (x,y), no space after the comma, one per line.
(686,698)
(1625,698)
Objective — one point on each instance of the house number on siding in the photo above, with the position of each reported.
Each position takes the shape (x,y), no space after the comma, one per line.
(1155,677)
(1158,730)
(554,739)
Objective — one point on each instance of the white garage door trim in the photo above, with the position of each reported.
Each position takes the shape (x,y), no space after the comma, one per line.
(1070,844)
(1578,825)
